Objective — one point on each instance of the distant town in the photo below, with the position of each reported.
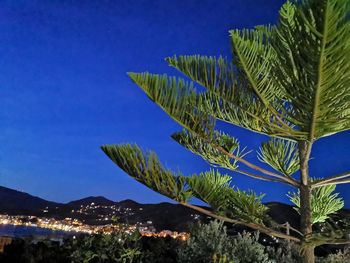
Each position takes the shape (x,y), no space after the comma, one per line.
(69,224)
(96,214)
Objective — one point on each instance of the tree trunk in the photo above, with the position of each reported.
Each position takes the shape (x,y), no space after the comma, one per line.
(305,199)
(305,221)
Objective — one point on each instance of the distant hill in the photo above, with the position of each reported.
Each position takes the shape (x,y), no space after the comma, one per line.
(100,210)
(91,199)
(95,210)
(16,202)
(283,213)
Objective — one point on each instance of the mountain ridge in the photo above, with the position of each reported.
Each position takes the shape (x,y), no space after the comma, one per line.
(100,210)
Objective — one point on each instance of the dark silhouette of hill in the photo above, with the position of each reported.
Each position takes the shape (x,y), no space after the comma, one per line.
(283,213)
(91,199)
(16,202)
(91,209)
(100,210)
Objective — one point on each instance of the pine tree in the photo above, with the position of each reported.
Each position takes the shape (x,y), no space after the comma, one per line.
(290,82)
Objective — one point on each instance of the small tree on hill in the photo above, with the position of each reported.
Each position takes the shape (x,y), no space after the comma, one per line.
(290,82)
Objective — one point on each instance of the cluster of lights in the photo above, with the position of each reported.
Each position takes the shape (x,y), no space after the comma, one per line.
(166,233)
(106,213)
(67,224)
(103,213)
(74,225)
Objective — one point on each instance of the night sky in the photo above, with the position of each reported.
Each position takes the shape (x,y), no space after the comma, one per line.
(64,92)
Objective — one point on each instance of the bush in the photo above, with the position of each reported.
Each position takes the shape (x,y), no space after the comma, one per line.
(205,242)
(285,252)
(117,247)
(124,248)
(341,257)
(210,243)
(247,249)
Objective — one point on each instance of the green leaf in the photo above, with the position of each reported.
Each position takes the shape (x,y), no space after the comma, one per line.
(206,148)
(246,113)
(177,98)
(323,202)
(312,64)
(146,168)
(228,98)
(210,187)
(246,205)
(215,189)
(215,74)
(281,155)
(253,55)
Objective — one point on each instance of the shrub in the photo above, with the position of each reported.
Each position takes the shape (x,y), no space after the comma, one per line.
(210,243)
(117,247)
(204,242)
(285,252)
(341,257)
(247,249)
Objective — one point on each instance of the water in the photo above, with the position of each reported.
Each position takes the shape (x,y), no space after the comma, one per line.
(25,231)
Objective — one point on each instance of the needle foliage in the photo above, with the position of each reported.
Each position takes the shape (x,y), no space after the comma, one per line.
(289,81)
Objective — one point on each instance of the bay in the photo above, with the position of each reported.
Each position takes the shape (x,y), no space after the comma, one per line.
(26,231)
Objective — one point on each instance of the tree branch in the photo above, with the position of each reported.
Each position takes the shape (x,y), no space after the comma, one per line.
(291,228)
(194,142)
(260,177)
(333,180)
(339,242)
(345,181)
(281,178)
(261,228)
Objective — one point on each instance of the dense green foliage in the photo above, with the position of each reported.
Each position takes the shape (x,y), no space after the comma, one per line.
(341,257)
(211,243)
(324,202)
(117,247)
(205,242)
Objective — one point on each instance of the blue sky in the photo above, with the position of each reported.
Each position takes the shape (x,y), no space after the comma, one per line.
(64,92)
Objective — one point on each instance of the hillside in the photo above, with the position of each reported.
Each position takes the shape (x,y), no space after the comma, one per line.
(100,210)
(16,202)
